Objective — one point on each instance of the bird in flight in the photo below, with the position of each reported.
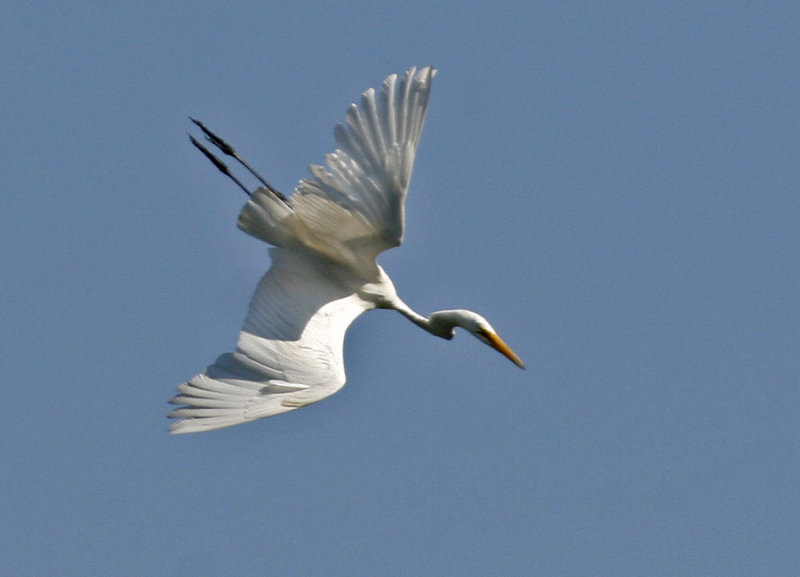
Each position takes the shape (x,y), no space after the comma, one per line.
(325,240)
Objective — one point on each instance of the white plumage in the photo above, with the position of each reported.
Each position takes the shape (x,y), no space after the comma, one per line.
(323,273)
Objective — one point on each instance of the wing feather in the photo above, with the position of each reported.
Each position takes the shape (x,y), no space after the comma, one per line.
(290,350)
(362,187)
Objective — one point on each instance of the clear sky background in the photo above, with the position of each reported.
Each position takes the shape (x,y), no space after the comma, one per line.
(616,186)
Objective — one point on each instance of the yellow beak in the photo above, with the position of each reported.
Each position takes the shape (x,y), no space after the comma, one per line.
(497,343)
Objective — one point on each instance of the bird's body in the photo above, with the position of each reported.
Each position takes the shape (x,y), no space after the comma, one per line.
(323,273)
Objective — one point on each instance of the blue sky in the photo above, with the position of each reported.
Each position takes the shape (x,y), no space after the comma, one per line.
(614,185)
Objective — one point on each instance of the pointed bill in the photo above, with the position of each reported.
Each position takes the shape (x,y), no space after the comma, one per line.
(499,345)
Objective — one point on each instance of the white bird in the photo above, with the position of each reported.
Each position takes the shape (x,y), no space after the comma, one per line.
(323,274)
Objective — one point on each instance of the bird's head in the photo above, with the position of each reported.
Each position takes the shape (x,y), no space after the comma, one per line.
(443,324)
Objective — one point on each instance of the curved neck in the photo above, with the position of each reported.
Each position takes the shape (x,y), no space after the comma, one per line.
(440,323)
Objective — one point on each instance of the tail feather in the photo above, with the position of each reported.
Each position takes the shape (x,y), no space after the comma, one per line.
(267,217)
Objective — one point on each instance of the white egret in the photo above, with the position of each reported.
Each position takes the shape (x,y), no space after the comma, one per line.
(323,274)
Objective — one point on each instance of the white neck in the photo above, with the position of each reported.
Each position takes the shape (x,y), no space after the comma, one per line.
(440,323)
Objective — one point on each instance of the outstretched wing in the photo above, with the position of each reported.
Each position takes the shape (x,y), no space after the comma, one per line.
(353,208)
(289,352)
